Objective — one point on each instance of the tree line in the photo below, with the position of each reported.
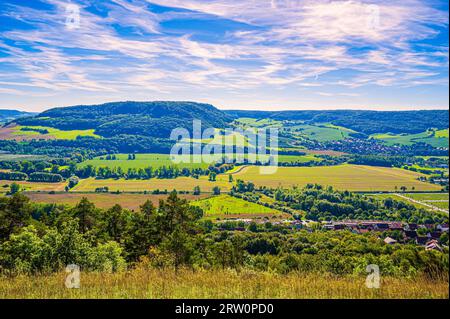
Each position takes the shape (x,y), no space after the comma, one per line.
(45,238)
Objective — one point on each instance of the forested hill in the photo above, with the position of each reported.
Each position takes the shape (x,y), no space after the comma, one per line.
(8,115)
(362,121)
(158,118)
(155,119)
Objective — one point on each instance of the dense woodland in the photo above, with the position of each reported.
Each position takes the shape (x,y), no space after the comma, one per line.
(366,122)
(150,119)
(318,203)
(45,238)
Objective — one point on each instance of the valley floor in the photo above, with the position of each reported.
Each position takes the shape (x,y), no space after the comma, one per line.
(166,284)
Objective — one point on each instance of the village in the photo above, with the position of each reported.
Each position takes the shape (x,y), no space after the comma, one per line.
(391,232)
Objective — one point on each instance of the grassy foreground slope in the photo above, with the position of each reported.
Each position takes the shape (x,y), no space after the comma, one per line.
(166,284)
(343,177)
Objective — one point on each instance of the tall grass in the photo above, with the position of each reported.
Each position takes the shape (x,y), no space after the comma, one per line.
(152,283)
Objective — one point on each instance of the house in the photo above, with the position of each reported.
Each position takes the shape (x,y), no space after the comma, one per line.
(410,234)
(433,245)
(390,241)
(422,240)
(396,226)
(382,226)
(412,226)
(435,234)
(443,227)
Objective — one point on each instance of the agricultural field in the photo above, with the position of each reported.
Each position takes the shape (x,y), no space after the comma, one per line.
(226,206)
(180,184)
(105,201)
(439,200)
(436,138)
(33,186)
(344,177)
(399,199)
(251,122)
(322,132)
(428,196)
(25,133)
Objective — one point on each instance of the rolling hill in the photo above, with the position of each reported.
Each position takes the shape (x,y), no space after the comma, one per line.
(9,115)
(367,122)
(151,119)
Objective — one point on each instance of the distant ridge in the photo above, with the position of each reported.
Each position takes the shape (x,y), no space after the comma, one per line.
(159,118)
(363,121)
(7,115)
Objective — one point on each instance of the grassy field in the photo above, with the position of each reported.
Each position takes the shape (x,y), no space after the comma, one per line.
(436,138)
(142,283)
(322,132)
(53,133)
(105,201)
(180,184)
(397,198)
(442,205)
(344,177)
(437,200)
(250,122)
(230,207)
(428,196)
(29,186)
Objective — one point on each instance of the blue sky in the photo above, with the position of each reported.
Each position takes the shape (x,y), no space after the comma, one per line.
(247,54)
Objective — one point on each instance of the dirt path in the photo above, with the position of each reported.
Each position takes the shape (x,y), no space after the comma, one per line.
(239,169)
(422,203)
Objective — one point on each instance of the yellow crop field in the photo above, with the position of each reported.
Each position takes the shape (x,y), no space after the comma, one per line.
(180,184)
(32,186)
(344,177)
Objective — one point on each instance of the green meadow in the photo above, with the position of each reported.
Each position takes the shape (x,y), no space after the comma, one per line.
(228,206)
(34,131)
(322,132)
(436,138)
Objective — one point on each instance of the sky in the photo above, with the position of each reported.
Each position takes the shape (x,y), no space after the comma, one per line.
(246,54)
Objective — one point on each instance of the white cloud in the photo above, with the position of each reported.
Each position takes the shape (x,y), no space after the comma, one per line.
(287,44)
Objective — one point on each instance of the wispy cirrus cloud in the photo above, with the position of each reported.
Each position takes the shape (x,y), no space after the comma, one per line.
(176,48)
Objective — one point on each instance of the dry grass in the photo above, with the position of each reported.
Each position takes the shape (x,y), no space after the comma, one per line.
(156,284)
(180,184)
(32,186)
(105,201)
